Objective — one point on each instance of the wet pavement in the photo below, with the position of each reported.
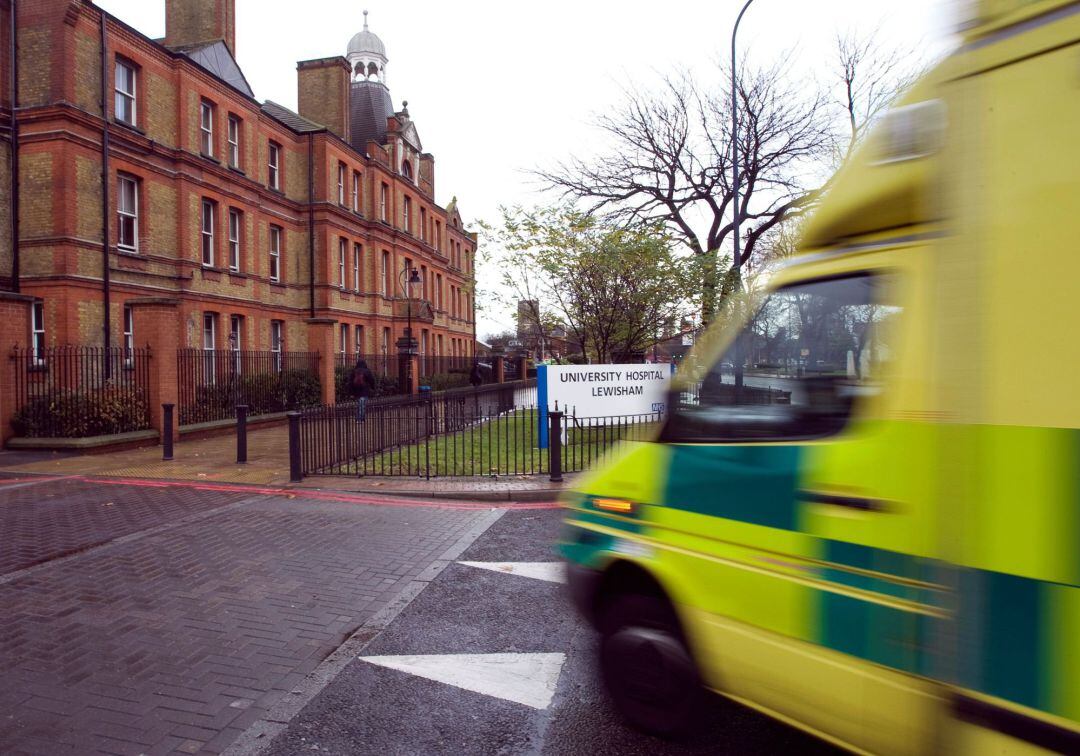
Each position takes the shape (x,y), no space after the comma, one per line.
(149,618)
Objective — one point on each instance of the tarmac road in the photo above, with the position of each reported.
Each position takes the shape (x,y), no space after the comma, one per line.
(371,707)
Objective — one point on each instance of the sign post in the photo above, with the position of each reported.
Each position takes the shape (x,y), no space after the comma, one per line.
(601,390)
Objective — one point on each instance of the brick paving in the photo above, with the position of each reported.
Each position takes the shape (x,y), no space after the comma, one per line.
(47,520)
(176,641)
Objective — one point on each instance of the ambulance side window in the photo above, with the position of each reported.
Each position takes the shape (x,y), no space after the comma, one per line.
(796,368)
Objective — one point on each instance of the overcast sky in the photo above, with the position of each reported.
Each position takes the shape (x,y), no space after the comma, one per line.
(496,88)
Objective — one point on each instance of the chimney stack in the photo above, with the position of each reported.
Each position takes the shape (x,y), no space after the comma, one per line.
(193,22)
(323,93)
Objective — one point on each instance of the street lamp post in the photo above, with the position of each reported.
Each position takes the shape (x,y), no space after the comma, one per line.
(735,141)
(736,263)
(407,287)
(408,278)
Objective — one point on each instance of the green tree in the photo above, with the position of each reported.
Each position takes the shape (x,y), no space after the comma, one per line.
(613,288)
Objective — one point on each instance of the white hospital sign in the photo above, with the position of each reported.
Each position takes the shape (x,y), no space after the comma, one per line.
(601,390)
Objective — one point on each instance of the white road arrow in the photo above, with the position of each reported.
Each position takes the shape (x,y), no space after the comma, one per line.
(553,572)
(528,679)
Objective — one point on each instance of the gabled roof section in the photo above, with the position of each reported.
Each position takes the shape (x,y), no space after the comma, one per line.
(216,58)
(411,136)
(294,121)
(454,215)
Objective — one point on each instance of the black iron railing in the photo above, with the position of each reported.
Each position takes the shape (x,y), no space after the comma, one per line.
(213,382)
(383,366)
(455,433)
(331,436)
(77,391)
(444,372)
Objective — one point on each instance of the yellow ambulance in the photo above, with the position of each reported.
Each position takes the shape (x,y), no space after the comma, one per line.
(862,515)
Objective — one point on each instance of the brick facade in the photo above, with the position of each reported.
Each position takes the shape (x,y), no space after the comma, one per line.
(61,193)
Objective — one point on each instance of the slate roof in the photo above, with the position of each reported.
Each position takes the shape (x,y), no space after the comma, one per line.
(216,58)
(370,105)
(294,121)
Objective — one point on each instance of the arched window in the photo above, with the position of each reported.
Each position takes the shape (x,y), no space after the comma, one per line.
(406,169)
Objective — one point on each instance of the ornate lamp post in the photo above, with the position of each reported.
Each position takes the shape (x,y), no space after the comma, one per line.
(409,287)
(409,279)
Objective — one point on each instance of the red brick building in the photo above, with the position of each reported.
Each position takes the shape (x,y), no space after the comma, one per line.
(258,228)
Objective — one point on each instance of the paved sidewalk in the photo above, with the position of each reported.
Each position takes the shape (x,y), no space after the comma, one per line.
(168,619)
(214,460)
(210,459)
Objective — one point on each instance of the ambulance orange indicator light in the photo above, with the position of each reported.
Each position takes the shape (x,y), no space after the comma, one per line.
(622,506)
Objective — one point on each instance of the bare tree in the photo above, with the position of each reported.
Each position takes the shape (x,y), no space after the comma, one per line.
(670,161)
(871,75)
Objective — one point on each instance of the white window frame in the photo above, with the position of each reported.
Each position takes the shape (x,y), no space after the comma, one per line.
(206,233)
(37,333)
(343,252)
(356,191)
(357,251)
(209,330)
(275,254)
(423,224)
(124,97)
(343,338)
(206,127)
(277,342)
(127,214)
(236,220)
(386,340)
(273,166)
(358,331)
(384,273)
(406,208)
(384,191)
(129,336)
(341,172)
(234,141)
(236,329)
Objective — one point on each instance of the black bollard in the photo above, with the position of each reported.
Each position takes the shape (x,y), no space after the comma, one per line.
(241,433)
(167,432)
(555,446)
(295,473)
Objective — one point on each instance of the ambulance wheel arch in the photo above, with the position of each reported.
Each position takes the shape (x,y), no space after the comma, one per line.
(641,627)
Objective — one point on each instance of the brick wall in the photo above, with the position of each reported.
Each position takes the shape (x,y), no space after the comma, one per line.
(189,22)
(6,254)
(323,93)
(61,198)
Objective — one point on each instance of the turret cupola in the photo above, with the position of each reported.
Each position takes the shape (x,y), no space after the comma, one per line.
(367,56)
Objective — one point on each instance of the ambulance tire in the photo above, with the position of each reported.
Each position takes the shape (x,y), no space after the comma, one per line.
(647,668)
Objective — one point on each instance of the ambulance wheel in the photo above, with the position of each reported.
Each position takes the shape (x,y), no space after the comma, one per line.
(646,666)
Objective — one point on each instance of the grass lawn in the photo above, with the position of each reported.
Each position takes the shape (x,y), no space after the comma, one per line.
(505,445)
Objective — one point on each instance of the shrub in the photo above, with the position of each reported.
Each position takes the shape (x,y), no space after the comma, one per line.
(263,393)
(443,381)
(302,389)
(342,378)
(76,414)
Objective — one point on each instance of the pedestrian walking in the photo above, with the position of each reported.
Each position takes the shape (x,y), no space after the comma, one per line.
(476,375)
(362,383)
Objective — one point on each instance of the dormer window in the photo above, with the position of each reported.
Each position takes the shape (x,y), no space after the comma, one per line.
(406,169)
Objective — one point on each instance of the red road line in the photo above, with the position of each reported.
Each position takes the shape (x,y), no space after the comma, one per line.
(386,501)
